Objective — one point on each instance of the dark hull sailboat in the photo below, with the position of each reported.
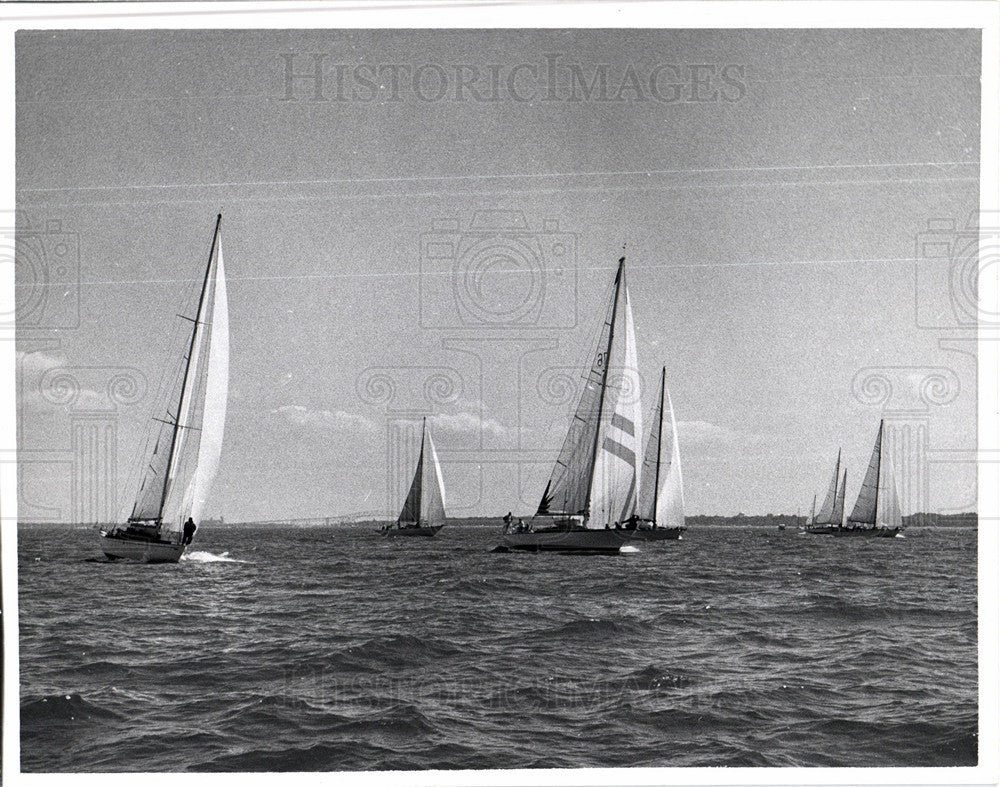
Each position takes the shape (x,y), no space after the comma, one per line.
(876,513)
(423,512)
(188,440)
(591,491)
(660,509)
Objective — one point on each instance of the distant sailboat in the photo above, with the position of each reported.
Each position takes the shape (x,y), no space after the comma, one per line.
(423,511)
(188,439)
(877,512)
(824,522)
(660,510)
(812,515)
(591,493)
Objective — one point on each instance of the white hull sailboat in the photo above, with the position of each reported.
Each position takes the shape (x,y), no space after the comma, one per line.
(660,510)
(824,522)
(876,513)
(187,439)
(592,490)
(423,512)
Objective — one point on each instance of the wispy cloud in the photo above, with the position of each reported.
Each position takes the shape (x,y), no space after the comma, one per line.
(338,419)
(703,432)
(468,422)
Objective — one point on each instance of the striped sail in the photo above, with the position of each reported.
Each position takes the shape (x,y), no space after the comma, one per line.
(825,515)
(615,474)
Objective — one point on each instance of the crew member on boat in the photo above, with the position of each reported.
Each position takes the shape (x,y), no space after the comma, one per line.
(189,530)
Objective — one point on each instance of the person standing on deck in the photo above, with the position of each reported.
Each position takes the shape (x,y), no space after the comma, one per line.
(189,529)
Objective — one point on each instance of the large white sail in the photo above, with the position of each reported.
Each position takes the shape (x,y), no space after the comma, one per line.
(888,512)
(425,501)
(867,503)
(216,389)
(661,488)
(615,473)
(825,515)
(670,502)
(188,443)
(432,499)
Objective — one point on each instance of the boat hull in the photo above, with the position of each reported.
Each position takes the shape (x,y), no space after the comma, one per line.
(410,532)
(820,530)
(579,541)
(141,550)
(867,532)
(657,534)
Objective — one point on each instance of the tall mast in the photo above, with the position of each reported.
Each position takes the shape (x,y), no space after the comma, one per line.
(187,366)
(604,380)
(659,444)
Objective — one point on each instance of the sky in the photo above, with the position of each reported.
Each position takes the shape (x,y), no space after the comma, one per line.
(436,237)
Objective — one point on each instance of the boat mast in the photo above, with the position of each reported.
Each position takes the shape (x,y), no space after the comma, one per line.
(187,367)
(659,443)
(604,381)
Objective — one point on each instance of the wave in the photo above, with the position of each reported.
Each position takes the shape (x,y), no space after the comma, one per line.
(57,708)
(209,557)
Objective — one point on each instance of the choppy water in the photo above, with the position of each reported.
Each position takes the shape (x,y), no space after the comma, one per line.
(269,649)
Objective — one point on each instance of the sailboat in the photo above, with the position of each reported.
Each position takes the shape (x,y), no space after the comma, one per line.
(186,438)
(812,516)
(823,523)
(877,512)
(591,493)
(660,511)
(423,511)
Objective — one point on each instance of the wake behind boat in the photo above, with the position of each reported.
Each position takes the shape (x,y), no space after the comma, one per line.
(423,512)
(187,440)
(591,492)
(876,513)
(659,514)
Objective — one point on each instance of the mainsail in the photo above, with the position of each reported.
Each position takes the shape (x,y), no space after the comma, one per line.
(878,500)
(865,508)
(188,444)
(661,489)
(595,475)
(424,504)
(825,515)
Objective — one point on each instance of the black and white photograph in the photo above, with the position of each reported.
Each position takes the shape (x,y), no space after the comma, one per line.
(501,394)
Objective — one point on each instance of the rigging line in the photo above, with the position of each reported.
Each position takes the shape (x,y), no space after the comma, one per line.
(514,176)
(449,273)
(505,192)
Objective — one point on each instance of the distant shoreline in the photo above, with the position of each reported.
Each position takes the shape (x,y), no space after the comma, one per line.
(921,520)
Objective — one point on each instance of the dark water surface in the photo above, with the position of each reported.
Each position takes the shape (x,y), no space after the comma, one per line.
(334,649)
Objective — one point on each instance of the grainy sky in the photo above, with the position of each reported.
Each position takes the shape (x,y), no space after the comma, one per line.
(770,186)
